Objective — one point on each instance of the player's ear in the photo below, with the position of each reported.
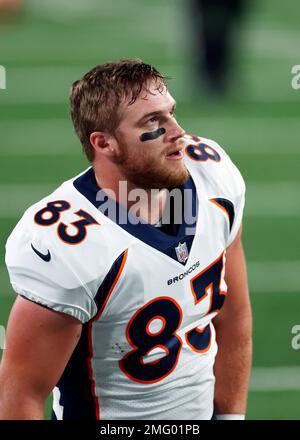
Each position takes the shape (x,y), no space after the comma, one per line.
(102,142)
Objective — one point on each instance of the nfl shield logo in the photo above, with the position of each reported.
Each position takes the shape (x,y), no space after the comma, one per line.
(182,252)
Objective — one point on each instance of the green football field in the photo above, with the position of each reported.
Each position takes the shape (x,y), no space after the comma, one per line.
(50,44)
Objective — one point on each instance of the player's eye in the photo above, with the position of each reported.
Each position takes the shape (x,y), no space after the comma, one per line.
(153,119)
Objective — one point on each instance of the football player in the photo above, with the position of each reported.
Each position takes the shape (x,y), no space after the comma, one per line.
(122,313)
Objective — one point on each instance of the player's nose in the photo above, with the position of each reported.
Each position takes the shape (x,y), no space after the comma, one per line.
(175,132)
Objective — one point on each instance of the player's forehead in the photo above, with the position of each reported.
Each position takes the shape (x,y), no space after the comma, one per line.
(150,100)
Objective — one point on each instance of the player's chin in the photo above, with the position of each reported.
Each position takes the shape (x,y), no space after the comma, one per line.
(175,165)
(177,177)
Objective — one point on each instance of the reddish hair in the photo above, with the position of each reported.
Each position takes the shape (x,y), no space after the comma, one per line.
(96,98)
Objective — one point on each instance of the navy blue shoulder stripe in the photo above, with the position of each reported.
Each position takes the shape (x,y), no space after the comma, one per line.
(109,282)
(228,206)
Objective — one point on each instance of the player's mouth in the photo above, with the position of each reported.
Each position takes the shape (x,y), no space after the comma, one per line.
(176,154)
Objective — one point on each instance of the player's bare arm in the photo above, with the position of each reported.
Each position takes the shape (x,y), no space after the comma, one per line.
(38,346)
(234,329)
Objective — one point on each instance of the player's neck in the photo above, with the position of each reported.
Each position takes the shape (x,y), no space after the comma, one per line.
(148,204)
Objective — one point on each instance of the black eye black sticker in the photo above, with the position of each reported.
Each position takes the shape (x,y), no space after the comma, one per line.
(151,135)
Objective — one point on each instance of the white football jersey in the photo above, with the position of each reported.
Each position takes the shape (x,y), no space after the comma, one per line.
(146,298)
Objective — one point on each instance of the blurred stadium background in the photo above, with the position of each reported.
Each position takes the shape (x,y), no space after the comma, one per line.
(47,45)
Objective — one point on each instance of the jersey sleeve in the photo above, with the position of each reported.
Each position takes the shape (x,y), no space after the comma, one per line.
(40,272)
(239,203)
(234,186)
